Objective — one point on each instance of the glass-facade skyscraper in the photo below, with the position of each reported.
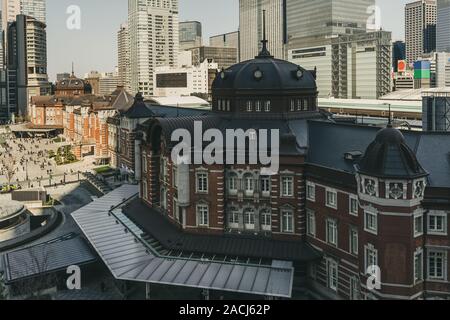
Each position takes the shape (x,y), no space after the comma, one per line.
(190,34)
(443,26)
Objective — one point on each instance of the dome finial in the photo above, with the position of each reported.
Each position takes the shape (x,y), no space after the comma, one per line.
(390,117)
(264,51)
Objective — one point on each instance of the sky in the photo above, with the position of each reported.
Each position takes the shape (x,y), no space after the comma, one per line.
(94,45)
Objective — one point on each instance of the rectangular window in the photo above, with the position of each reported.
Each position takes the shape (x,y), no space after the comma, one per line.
(332,232)
(202,182)
(331,199)
(311,191)
(437,265)
(287,186)
(354,289)
(232,184)
(203,215)
(144,163)
(266,220)
(249,219)
(418,225)
(354,241)
(176,210)
(175,177)
(371,222)
(332,274)
(418,266)
(437,223)
(311,223)
(249,185)
(371,257)
(265,186)
(354,206)
(287,221)
(234,219)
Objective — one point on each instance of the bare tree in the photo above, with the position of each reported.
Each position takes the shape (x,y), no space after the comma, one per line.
(9,170)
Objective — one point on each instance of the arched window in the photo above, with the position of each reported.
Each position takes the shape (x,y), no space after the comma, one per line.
(249,219)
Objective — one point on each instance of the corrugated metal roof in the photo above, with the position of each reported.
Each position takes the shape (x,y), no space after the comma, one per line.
(128,258)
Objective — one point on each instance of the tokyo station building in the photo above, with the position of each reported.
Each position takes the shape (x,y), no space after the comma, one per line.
(345,198)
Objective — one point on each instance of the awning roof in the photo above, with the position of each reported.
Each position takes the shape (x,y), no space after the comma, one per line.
(118,242)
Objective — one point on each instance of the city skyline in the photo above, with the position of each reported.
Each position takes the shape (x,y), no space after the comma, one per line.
(103,56)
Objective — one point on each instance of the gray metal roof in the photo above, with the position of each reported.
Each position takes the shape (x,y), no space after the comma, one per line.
(119,244)
(52,256)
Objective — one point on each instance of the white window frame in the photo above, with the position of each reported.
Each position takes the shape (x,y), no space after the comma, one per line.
(248,213)
(350,209)
(443,265)
(144,163)
(418,257)
(370,253)
(418,233)
(332,274)
(353,240)
(199,186)
(249,181)
(434,231)
(232,184)
(200,215)
(311,196)
(264,214)
(175,176)
(311,223)
(287,184)
(232,223)
(145,190)
(355,288)
(284,225)
(366,226)
(266,181)
(332,238)
(331,192)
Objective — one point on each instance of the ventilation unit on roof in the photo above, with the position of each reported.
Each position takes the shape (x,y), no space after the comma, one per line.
(352,155)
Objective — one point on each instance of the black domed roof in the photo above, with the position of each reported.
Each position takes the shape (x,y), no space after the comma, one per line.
(265,73)
(390,157)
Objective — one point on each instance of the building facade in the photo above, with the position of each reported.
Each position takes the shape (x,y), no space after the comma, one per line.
(443,26)
(420,28)
(123,52)
(224,57)
(154,40)
(226,40)
(32,8)
(190,34)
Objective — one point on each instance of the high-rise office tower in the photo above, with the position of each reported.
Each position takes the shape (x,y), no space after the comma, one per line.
(251,27)
(420,28)
(27,62)
(190,34)
(123,45)
(443,26)
(398,53)
(154,41)
(32,8)
(227,40)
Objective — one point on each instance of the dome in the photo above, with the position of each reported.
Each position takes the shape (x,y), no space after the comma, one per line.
(265,73)
(390,157)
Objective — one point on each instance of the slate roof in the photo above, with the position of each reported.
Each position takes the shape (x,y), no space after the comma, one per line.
(329,142)
(230,245)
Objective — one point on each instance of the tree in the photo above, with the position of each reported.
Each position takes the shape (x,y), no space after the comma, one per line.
(10,171)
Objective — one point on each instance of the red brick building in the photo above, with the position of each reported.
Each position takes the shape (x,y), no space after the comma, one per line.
(345,199)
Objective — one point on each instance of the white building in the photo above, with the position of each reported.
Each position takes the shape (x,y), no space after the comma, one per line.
(108,82)
(251,27)
(154,40)
(184,80)
(123,52)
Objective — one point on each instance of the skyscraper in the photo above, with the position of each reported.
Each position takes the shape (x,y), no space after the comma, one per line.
(190,34)
(251,29)
(123,41)
(420,28)
(32,8)
(443,26)
(154,40)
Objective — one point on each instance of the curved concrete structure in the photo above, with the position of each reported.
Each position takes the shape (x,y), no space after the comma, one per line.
(14,220)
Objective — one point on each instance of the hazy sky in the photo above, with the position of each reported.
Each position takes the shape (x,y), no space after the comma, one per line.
(93,47)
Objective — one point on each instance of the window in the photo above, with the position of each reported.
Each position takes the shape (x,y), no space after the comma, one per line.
(258,106)
(371,222)
(249,219)
(332,235)
(249,185)
(268,106)
(202,182)
(299,105)
(265,186)
(371,257)
(311,191)
(144,163)
(144,190)
(331,199)
(311,223)
(228,105)
(355,289)
(437,223)
(266,220)
(249,106)
(437,265)
(332,274)
(353,240)
(232,183)
(418,225)
(175,177)
(418,266)
(292,105)
(163,198)
(287,186)
(353,206)
(202,215)
(176,210)
(233,221)
(287,221)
